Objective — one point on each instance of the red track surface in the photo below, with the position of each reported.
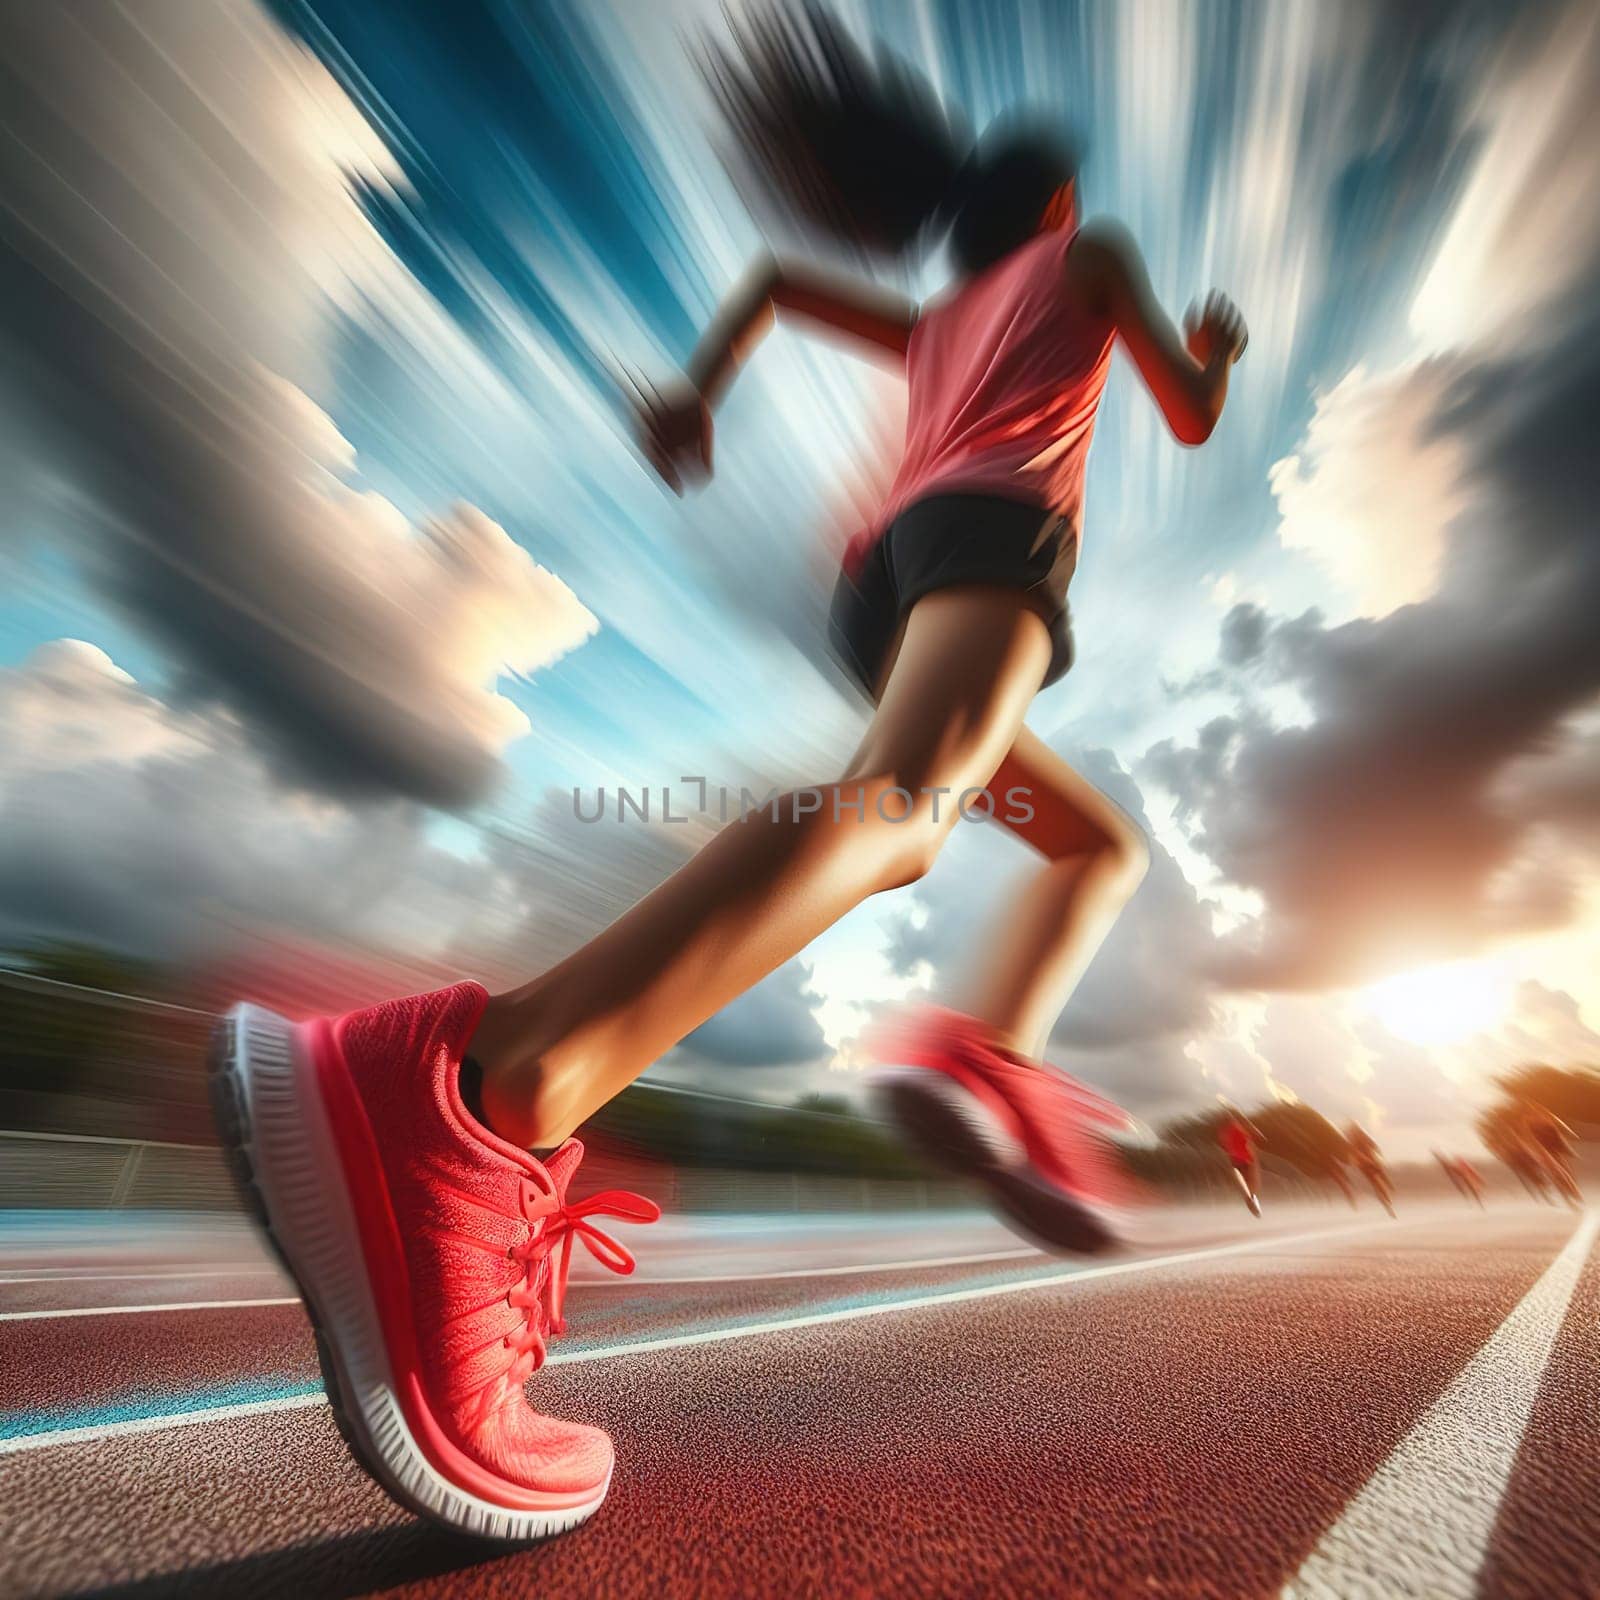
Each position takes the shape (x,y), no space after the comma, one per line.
(1188,1428)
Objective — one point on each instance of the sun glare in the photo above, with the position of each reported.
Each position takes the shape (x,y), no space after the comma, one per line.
(1437,1005)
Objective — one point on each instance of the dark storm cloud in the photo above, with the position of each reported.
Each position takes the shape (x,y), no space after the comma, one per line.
(188,859)
(772,1025)
(1244,632)
(177,219)
(158,831)
(1430,794)
(1380,833)
(1559,784)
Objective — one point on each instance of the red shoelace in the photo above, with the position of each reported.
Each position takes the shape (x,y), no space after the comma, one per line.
(542,1294)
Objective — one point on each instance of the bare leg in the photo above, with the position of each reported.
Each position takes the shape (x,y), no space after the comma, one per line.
(1048,936)
(1252,1185)
(553,1052)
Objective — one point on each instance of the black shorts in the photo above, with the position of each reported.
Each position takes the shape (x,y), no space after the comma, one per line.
(951,539)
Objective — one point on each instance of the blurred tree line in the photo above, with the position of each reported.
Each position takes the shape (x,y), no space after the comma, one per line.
(99,1043)
(106,1045)
(1571,1093)
(817,1134)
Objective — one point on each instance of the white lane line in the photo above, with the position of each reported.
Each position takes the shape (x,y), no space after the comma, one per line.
(608,1281)
(173,1419)
(763,1277)
(133,1311)
(1422,1524)
(851,1269)
(179,1419)
(73,1275)
(951,1297)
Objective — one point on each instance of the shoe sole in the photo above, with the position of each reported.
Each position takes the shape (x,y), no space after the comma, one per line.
(939,1119)
(283,1157)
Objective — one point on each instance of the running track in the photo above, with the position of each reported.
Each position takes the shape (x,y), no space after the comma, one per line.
(1323,1404)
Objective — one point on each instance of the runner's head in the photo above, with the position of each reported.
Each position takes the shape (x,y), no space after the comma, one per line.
(1020,179)
(860,149)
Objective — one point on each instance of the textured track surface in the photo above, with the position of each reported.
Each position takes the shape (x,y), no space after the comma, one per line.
(1201,1417)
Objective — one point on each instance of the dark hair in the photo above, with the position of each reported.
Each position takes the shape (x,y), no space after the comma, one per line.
(861,149)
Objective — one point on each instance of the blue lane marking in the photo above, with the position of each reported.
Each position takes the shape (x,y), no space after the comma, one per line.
(145,1407)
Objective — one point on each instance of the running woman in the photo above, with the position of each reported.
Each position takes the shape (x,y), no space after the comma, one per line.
(1553,1143)
(1369,1162)
(1466,1178)
(1527,1162)
(1239,1138)
(414,1161)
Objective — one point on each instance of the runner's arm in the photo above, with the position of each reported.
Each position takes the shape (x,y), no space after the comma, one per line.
(864,312)
(1187,374)
(675,427)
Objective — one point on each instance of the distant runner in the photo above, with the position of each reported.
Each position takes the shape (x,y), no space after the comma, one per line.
(1239,1138)
(1368,1158)
(1340,1178)
(1519,1154)
(1467,1179)
(1552,1143)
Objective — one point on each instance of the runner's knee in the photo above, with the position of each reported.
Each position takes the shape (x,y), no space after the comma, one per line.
(1128,853)
(1118,845)
(905,823)
(912,854)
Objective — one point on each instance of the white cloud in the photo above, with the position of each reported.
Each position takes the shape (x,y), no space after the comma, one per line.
(70,705)
(424,618)
(155,827)
(1544,1025)
(1374,486)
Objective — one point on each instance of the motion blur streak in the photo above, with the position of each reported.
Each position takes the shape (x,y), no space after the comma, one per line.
(332,572)
(182,195)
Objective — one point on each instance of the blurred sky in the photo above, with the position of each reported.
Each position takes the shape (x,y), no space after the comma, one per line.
(329,571)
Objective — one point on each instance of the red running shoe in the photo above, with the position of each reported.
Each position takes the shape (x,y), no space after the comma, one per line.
(1036,1139)
(432,1255)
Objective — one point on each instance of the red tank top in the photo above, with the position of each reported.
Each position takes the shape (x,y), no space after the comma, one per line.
(1004,377)
(1235,1139)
